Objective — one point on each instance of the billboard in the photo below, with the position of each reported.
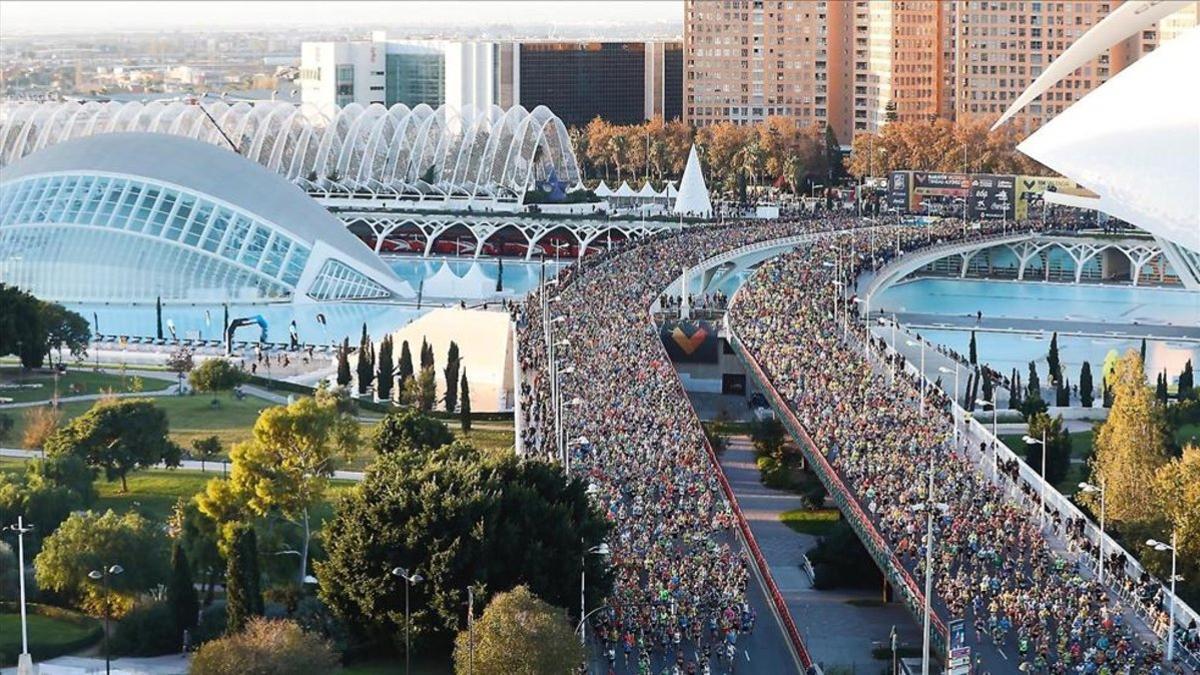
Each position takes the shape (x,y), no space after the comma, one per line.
(992,196)
(1031,188)
(690,341)
(898,188)
(941,188)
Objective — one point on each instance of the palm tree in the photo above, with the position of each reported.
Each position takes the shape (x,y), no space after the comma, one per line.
(618,145)
(793,170)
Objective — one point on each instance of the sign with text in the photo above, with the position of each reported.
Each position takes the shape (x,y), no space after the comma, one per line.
(899,186)
(992,196)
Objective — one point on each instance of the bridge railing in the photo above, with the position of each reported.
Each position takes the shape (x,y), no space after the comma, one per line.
(936,252)
(896,573)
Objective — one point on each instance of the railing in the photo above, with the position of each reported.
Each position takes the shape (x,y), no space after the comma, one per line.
(897,573)
(928,254)
(796,643)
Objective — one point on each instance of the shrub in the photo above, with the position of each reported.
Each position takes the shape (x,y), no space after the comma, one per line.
(148,630)
(215,375)
(266,647)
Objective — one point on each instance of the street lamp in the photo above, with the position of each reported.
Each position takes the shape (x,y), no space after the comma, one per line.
(102,576)
(409,580)
(1170,631)
(1160,546)
(910,343)
(25,661)
(1030,440)
(928,507)
(954,403)
(1089,488)
(601,549)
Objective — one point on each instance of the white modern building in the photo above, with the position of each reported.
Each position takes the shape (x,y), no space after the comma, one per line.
(135,217)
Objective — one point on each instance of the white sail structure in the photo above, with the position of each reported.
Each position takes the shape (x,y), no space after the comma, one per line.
(693,197)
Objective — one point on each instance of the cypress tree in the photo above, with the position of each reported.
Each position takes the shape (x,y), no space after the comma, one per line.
(1143,353)
(1055,366)
(1034,388)
(343,365)
(158,316)
(451,373)
(405,371)
(366,362)
(181,593)
(243,594)
(464,402)
(426,355)
(989,392)
(1107,393)
(1161,390)
(974,356)
(1187,382)
(1086,395)
(385,370)
(1062,394)
(1014,391)
(967,403)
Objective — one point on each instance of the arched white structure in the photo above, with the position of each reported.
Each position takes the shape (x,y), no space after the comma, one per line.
(420,153)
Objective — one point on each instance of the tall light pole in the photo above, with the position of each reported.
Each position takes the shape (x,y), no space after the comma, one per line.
(910,343)
(409,580)
(1160,546)
(102,576)
(929,506)
(601,549)
(1089,488)
(954,402)
(25,661)
(1030,440)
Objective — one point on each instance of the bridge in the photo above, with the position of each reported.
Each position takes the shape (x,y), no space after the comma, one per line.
(494,233)
(1051,257)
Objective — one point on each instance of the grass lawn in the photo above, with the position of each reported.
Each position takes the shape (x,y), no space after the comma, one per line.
(817,522)
(189,417)
(420,666)
(1188,434)
(75,381)
(46,635)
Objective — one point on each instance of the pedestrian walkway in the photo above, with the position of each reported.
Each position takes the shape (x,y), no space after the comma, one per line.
(836,632)
(209,466)
(77,665)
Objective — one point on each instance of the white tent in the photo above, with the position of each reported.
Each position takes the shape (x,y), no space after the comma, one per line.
(1135,141)
(648,192)
(624,190)
(671,192)
(693,193)
(603,190)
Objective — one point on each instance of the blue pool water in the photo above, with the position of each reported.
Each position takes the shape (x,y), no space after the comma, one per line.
(1034,300)
(439,282)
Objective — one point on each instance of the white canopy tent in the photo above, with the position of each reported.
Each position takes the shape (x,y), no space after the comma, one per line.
(602,190)
(624,190)
(693,196)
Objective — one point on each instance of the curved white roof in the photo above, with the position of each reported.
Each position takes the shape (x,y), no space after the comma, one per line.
(202,168)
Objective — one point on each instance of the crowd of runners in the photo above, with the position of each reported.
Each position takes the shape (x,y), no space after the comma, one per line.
(992,564)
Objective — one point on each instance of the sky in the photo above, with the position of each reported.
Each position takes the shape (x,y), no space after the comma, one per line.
(19,16)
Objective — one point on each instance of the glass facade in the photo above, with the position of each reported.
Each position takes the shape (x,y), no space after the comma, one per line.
(413,79)
(106,237)
(580,80)
(338,281)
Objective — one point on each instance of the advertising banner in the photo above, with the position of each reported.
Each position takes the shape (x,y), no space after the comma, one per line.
(899,188)
(939,190)
(690,341)
(1031,188)
(992,196)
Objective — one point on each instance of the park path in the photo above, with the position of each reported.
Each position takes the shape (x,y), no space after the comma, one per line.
(836,633)
(211,466)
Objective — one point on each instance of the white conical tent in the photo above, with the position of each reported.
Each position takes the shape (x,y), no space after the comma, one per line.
(625,190)
(603,190)
(693,193)
(647,192)
(671,192)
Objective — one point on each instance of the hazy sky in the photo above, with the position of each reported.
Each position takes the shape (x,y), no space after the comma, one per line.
(101,15)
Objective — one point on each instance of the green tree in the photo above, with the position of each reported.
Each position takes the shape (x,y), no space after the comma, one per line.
(404,372)
(88,541)
(464,404)
(1058,458)
(242,580)
(1014,391)
(385,371)
(365,369)
(343,364)
(120,436)
(1086,388)
(519,633)
(458,516)
(971,350)
(266,647)
(1142,354)
(451,373)
(1062,394)
(215,375)
(41,503)
(205,448)
(1187,382)
(1033,403)
(197,534)
(409,430)
(22,331)
(1177,486)
(426,355)
(181,594)
(1160,390)
(1131,445)
(425,390)
(286,466)
(66,471)
(65,328)
(768,436)
(1052,362)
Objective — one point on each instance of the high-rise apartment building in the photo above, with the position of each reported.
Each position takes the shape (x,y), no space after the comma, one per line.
(858,64)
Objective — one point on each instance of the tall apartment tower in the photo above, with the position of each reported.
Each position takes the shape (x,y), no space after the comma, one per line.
(746,60)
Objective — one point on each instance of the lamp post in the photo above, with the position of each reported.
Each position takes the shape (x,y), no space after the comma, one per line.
(102,576)
(995,438)
(929,506)
(25,661)
(409,580)
(1030,440)
(910,343)
(954,402)
(1160,546)
(601,549)
(1089,488)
